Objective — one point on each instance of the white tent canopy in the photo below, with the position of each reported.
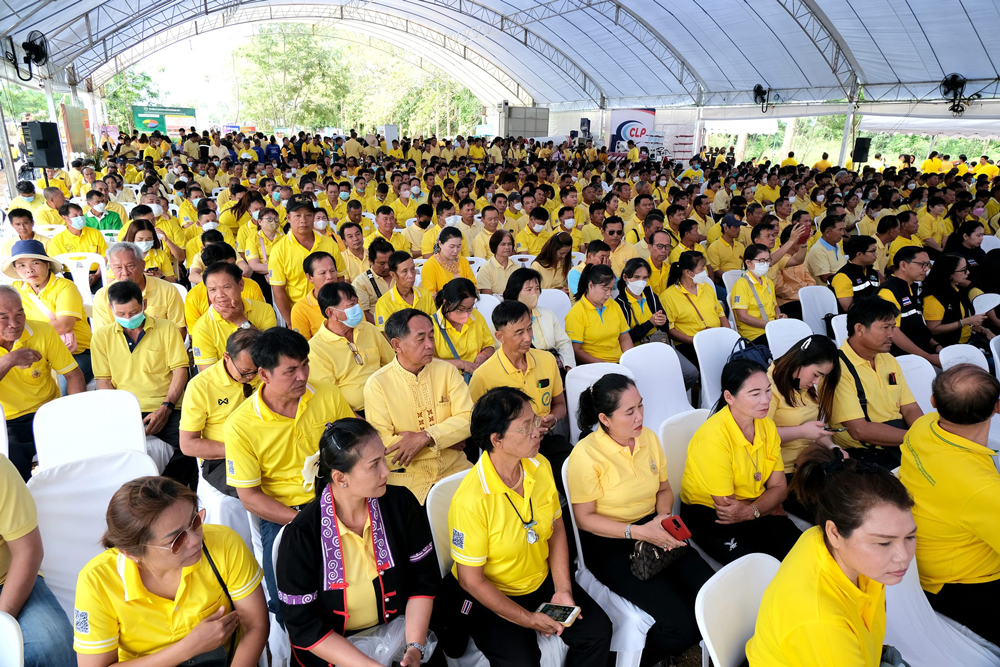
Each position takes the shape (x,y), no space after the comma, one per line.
(583,54)
(966,128)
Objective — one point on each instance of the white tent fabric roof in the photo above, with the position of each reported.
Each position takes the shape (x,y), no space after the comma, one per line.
(582,54)
(967,128)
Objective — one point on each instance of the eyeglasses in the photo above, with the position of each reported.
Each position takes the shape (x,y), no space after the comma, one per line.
(615,232)
(923,265)
(662,246)
(178,543)
(535,423)
(358,359)
(964,269)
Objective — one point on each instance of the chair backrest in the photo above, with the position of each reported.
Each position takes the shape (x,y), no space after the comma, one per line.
(557,301)
(729,279)
(79,265)
(817,301)
(839,323)
(578,258)
(11,642)
(675,434)
(410,221)
(523,260)
(782,335)
(72,501)
(87,425)
(485,305)
(652,364)
(990,242)
(572,518)
(136,188)
(370,216)
(183,290)
(437,503)
(216,191)
(919,374)
(984,303)
(580,378)
(110,235)
(48,230)
(727,605)
(174,209)
(962,353)
(713,347)
(419,262)
(476,263)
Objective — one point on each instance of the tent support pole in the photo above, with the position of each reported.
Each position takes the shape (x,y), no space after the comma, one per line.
(848,122)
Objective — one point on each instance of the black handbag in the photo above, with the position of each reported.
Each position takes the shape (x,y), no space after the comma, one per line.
(218,657)
(745,349)
(648,560)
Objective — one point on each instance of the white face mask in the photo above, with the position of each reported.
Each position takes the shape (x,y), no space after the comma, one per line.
(636,286)
(569,224)
(761,268)
(452,220)
(911,186)
(209,226)
(621,174)
(320,224)
(157,210)
(702,278)
(144,246)
(820,198)
(78,222)
(99,207)
(538,228)
(791,199)
(635,179)
(517,206)
(663,183)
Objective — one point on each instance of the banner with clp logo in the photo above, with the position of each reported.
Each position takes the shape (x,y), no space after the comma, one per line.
(630,124)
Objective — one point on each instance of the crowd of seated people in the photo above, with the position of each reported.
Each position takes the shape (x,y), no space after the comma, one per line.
(302,324)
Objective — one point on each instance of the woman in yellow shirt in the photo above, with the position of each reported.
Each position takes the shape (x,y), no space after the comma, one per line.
(753,288)
(642,309)
(734,481)
(690,303)
(168,586)
(446,263)
(947,307)
(618,485)
(159,261)
(461,335)
(554,262)
(826,605)
(595,324)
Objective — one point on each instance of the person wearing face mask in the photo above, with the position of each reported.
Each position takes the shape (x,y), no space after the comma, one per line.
(461,335)
(734,481)
(595,324)
(159,261)
(912,336)
(514,218)
(98,216)
(144,355)
(242,219)
(347,349)
(532,238)
(639,304)
(826,604)
(77,237)
(753,298)
(691,305)
(27,198)
(228,312)
(257,248)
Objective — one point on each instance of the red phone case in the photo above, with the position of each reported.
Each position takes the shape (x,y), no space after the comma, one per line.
(675,526)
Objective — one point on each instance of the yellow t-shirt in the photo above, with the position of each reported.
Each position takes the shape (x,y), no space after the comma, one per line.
(723,256)
(469,342)
(486,531)
(306,316)
(691,313)
(196,301)
(742,299)
(623,483)
(285,265)
(433,276)
(885,389)
(956,491)
(812,615)
(934,312)
(62,298)
(552,278)
(332,360)
(391,302)
(597,329)
(720,461)
(527,242)
(541,380)
(24,390)
(491,276)
(784,414)
(17,512)
(113,609)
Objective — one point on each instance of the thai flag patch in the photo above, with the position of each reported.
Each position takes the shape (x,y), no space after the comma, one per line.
(906,301)
(466,607)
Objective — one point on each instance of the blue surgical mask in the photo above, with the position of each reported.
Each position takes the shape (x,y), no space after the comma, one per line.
(194,202)
(345,196)
(276,196)
(78,222)
(133,322)
(254,214)
(28,197)
(472,170)
(354,315)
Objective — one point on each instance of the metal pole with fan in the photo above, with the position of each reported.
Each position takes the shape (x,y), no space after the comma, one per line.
(953,88)
(36,53)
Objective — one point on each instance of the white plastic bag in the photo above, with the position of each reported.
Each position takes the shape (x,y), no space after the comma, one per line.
(386,643)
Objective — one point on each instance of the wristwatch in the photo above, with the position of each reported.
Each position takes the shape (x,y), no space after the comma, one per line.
(170,406)
(756,512)
(628,532)
(419,647)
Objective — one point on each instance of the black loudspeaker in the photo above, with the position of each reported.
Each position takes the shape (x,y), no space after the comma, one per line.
(42,141)
(861,147)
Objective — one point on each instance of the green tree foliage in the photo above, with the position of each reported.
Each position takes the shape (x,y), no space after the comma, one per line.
(127,88)
(18,101)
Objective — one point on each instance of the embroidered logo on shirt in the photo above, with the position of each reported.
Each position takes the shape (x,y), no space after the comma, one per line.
(81,621)
(196,351)
(457,538)
(736,298)
(230,467)
(224,401)
(731,544)
(652,465)
(466,607)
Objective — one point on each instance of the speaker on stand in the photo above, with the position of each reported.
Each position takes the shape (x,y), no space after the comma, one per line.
(43,149)
(861,147)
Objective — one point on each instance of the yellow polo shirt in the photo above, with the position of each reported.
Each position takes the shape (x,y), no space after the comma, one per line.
(113,609)
(433,276)
(392,302)
(899,242)
(885,388)
(430,237)
(785,414)
(332,360)
(437,401)
(163,301)
(486,531)
(89,240)
(742,299)
(623,483)
(306,316)
(469,342)
(355,266)
(620,255)
(266,449)
(691,313)
(209,398)
(597,330)
(285,265)
(196,302)
(148,369)
(720,461)
(194,245)
(552,278)
(24,390)
(812,615)
(724,256)
(17,512)
(397,240)
(679,248)
(527,242)
(260,247)
(956,491)
(211,331)
(491,276)
(367,296)
(63,299)
(540,381)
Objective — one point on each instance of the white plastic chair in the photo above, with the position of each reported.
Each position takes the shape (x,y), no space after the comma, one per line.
(87,425)
(557,301)
(839,323)
(630,622)
(578,258)
(48,230)
(962,353)
(410,221)
(418,263)
(11,642)
(174,210)
(729,279)
(370,216)
(784,334)
(926,638)
(727,605)
(72,501)
(990,242)
(182,290)
(658,377)
(437,504)
(523,260)
(110,235)
(580,378)
(79,265)
(278,641)
(223,510)
(128,206)
(919,374)
(476,263)
(817,301)
(713,347)
(136,188)
(984,303)
(485,304)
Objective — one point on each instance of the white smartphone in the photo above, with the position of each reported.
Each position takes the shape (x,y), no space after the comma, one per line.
(559,612)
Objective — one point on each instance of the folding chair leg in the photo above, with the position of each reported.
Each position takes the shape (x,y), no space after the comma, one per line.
(706,661)
(629,659)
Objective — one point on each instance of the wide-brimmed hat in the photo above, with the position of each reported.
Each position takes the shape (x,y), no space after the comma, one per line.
(30,249)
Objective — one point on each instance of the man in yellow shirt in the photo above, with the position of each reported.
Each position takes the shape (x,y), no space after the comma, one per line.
(53,180)
(931,225)
(790,161)
(77,237)
(27,198)
(145,356)
(621,252)
(823,164)
(49,215)
(161,299)
(529,241)
(726,254)
(769,193)
(307,318)
(402,294)
(270,436)
(947,466)
(420,406)
(385,229)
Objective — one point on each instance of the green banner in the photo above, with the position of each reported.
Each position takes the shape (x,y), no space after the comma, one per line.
(165,119)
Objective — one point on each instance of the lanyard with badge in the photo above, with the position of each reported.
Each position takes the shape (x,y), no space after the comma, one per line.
(528,525)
